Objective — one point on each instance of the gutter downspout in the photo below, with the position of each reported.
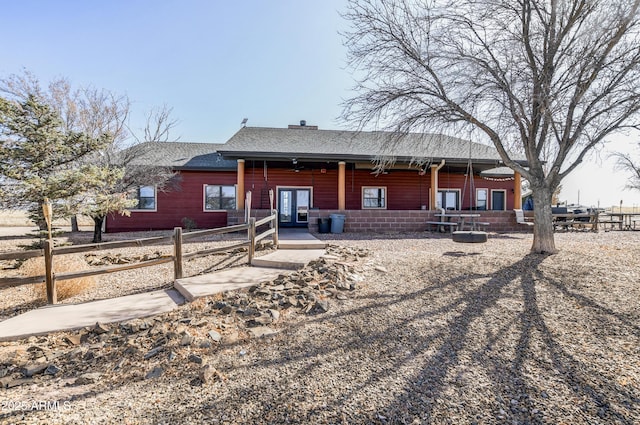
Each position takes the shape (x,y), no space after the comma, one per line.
(434,184)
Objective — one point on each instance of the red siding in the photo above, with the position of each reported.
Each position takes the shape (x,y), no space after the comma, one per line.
(172,207)
(325,185)
(406,190)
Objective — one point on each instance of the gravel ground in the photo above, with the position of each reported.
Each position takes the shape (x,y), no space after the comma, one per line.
(436,332)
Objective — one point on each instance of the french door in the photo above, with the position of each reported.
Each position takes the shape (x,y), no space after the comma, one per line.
(293,206)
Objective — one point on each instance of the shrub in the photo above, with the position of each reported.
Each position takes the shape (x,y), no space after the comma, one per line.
(189,223)
(61,263)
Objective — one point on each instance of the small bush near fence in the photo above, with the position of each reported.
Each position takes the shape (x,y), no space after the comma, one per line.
(61,263)
(189,223)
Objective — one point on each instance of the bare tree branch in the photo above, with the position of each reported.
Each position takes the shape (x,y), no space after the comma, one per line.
(549,80)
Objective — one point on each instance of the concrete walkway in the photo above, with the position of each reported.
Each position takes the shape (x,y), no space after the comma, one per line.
(302,248)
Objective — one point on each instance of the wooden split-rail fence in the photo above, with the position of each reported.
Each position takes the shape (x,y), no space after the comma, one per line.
(177,258)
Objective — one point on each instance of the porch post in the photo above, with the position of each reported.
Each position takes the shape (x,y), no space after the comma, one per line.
(240,186)
(517,191)
(341,185)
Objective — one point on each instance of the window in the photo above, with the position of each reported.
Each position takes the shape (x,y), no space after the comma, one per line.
(146,196)
(482,196)
(498,199)
(374,197)
(448,199)
(218,197)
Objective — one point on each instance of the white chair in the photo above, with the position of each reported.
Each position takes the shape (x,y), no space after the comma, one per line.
(521,219)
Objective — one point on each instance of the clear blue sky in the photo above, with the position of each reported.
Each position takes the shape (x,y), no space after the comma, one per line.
(216,62)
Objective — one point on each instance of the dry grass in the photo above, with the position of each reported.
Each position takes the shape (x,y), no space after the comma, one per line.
(19,218)
(64,288)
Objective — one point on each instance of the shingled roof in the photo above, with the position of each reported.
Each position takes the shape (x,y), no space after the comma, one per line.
(311,144)
(185,156)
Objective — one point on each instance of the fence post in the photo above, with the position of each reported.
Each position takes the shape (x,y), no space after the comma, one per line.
(50,279)
(252,238)
(274,224)
(177,253)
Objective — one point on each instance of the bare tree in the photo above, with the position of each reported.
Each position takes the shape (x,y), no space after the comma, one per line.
(159,125)
(124,167)
(547,79)
(626,163)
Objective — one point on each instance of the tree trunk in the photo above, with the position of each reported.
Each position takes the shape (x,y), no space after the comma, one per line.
(97,229)
(543,239)
(74,223)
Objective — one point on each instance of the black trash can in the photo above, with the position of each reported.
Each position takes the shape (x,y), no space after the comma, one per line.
(324,225)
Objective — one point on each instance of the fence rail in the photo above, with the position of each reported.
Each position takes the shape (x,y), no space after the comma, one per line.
(177,258)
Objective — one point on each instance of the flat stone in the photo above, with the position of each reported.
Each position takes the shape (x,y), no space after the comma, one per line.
(322,305)
(186,340)
(100,328)
(264,319)
(34,369)
(195,359)
(156,372)
(329,257)
(275,314)
(51,370)
(262,331)
(153,352)
(381,269)
(87,378)
(72,339)
(215,335)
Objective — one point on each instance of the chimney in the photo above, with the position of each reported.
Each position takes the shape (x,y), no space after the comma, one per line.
(303,126)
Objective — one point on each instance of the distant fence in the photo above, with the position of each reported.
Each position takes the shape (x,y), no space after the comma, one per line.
(178,258)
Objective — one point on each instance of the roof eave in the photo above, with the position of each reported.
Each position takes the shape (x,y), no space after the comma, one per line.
(256,155)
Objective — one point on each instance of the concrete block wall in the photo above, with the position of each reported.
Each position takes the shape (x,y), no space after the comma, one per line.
(384,221)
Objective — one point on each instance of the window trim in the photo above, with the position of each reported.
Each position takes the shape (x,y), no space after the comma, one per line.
(204,197)
(155,199)
(458,197)
(385,198)
(504,191)
(488,192)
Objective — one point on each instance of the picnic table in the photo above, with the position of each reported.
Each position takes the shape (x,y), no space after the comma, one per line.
(473,225)
(624,221)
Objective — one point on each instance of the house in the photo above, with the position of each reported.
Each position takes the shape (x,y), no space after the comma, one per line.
(315,172)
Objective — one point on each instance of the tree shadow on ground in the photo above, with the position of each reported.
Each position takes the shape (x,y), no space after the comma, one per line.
(426,393)
(511,397)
